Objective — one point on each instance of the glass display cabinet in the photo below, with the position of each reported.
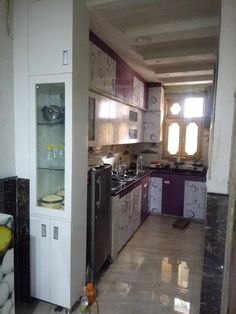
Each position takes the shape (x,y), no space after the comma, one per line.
(50,121)
(50,102)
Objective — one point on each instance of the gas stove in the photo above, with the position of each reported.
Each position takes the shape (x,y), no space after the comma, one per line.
(196,168)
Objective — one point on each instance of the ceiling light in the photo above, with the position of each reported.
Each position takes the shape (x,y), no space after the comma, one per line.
(142,39)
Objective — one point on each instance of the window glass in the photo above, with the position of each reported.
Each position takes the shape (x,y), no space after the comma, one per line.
(193,107)
(173,138)
(191,138)
(175,108)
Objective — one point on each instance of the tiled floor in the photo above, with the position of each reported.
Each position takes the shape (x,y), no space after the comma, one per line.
(158,271)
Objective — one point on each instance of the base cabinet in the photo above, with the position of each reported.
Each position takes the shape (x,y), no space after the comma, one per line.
(144,197)
(50,260)
(177,195)
(194,199)
(135,208)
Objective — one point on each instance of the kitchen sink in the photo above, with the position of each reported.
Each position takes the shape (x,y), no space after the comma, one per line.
(116,186)
(128,179)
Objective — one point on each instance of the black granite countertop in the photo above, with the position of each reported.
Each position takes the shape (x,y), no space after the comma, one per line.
(148,171)
(181,172)
(137,178)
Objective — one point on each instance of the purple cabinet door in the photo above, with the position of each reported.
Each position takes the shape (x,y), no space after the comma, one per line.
(173,195)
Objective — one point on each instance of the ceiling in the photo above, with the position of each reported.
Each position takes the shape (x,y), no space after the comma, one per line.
(170,41)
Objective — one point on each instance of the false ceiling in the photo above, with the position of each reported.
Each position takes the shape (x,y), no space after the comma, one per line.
(171,41)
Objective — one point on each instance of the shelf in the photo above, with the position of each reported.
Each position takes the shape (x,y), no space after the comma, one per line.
(51,168)
(50,124)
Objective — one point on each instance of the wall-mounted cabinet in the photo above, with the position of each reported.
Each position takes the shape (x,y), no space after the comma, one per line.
(102,70)
(50,40)
(112,122)
(138,93)
(153,118)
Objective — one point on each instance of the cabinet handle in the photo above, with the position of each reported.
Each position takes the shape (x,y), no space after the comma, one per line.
(166,182)
(65,54)
(145,185)
(55,233)
(43,230)
(98,203)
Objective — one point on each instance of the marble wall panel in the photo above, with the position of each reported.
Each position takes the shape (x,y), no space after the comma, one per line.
(14,200)
(214,249)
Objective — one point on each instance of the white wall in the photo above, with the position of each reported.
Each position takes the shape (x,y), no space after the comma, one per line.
(218,173)
(7,154)
(21,89)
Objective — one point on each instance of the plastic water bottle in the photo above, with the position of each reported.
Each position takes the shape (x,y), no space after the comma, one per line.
(84,303)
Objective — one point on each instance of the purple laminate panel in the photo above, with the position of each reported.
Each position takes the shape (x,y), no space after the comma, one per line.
(124,73)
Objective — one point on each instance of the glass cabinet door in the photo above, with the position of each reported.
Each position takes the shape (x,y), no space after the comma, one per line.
(50,137)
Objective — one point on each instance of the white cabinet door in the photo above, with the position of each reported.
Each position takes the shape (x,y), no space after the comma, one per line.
(50,36)
(152,126)
(39,258)
(155,195)
(102,73)
(110,75)
(155,98)
(102,121)
(113,135)
(138,93)
(50,253)
(125,219)
(123,128)
(60,252)
(194,199)
(136,195)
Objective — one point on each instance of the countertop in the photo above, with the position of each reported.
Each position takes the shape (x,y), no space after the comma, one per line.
(148,171)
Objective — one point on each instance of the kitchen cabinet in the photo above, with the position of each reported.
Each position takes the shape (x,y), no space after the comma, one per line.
(127,210)
(144,197)
(153,118)
(138,93)
(124,220)
(51,227)
(102,70)
(194,199)
(155,195)
(124,83)
(178,194)
(50,40)
(112,122)
(135,208)
(58,149)
(51,238)
(103,120)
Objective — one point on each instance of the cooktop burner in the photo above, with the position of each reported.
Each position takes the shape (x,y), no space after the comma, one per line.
(187,167)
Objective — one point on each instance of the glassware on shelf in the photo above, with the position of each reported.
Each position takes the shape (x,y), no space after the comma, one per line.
(61,156)
(50,155)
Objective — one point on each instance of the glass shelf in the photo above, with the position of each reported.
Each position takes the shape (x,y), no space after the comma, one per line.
(53,169)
